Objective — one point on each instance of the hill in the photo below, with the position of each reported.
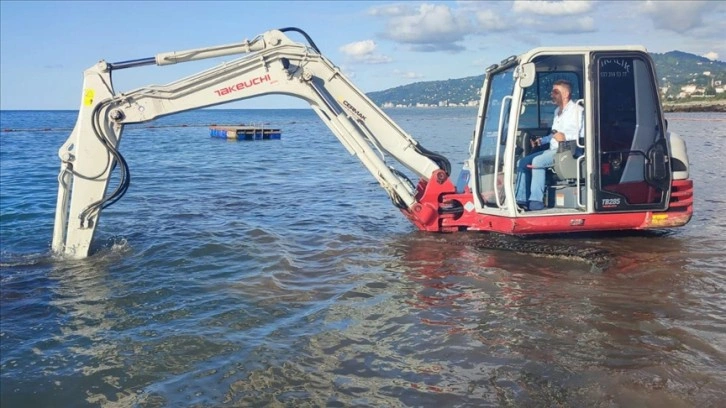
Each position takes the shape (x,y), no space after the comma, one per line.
(675,69)
(455,91)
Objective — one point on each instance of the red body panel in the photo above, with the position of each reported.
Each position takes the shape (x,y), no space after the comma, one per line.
(439,195)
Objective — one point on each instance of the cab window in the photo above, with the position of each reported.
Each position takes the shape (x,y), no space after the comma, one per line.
(538,107)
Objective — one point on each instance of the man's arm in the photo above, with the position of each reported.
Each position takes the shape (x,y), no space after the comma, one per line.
(548,138)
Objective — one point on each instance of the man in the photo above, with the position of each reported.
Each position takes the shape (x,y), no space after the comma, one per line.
(566,126)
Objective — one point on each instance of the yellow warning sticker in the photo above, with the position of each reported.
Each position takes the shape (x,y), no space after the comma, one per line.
(659,218)
(88,95)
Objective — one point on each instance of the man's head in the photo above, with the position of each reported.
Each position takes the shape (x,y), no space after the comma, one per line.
(561,91)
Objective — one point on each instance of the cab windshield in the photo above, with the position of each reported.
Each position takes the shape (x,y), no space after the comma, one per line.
(490,154)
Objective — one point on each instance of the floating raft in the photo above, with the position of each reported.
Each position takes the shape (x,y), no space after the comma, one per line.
(244,132)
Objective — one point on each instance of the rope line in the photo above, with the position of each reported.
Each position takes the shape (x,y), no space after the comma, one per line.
(142,127)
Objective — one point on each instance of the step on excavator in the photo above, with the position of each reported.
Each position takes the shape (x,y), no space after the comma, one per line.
(624,171)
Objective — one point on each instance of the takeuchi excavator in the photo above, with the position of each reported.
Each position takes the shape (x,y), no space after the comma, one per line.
(625,171)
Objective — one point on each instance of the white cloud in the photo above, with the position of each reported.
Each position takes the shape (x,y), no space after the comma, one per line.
(574,25)
(443,27)
(407,74)
(678,16)
(489,20)
(713,56)
(552,8)
(389,10)
(375,59)
(455,26)
(430,27)
(364,51)
(356,49)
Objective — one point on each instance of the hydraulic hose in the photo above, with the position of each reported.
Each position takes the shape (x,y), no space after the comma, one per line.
(304,34)
(443,163)
(125,181)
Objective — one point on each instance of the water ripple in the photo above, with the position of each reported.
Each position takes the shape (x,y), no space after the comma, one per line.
(251,274)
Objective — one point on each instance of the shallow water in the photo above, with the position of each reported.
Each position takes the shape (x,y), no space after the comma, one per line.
(278,273)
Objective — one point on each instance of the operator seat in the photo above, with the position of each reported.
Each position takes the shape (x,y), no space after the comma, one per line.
(565,167)
(566,158)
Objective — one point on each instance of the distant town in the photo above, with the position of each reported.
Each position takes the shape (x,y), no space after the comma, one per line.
(427,105)
(714,89)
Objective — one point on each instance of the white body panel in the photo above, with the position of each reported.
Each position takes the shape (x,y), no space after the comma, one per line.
(277,66)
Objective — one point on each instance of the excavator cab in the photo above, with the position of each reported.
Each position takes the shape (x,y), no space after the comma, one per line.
(620,162)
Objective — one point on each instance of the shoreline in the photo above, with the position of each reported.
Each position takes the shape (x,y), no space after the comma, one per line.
(696,106)
(668,107)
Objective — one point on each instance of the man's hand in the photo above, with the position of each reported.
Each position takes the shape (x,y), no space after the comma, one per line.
(559,136)
(535,142)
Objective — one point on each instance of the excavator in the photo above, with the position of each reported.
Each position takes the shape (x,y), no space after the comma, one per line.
(625,171)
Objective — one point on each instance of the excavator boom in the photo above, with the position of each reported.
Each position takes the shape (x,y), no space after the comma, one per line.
(272,64)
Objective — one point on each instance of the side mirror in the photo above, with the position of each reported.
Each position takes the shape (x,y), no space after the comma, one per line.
(527,74)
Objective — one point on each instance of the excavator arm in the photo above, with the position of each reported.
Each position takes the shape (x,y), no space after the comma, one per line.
(272,64)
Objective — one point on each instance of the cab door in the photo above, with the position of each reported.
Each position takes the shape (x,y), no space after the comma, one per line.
(633,169)
(492,140)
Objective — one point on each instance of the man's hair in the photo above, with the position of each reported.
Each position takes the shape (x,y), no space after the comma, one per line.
(565,83)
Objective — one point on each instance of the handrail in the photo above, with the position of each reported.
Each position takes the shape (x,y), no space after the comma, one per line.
(580,102)
(577,181)
(496,153)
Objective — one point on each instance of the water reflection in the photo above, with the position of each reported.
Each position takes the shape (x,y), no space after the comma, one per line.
(84,297)
(422,320)
(71,350)
(441,320)
(556,322)
(112,336)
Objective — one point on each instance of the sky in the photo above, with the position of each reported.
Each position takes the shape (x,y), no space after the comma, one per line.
(46,46)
